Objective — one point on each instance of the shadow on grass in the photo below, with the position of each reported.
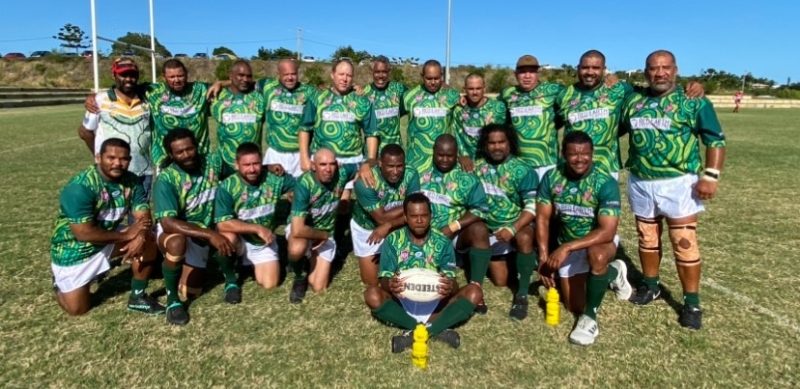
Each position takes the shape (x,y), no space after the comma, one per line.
(636,278)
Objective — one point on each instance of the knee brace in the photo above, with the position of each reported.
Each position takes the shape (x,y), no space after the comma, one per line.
(684,244)
(649,231)
(167,255)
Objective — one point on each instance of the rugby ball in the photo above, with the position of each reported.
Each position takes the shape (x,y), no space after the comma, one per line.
(420,285)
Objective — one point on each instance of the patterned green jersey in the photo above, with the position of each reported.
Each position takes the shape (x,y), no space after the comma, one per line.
(399,253)
(89,198)
(237,199)
(510,187)
(429,117)
(239,117)
(596,112)
(170,111)
(579,203)
(284,113)
(318,202)
(453,194)
(467,123)
(388,105)
(383,195)
(337,121)
(188,196)
(664,132)
(533,115)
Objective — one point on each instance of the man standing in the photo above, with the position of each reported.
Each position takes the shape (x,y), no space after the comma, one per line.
(737,100)
(469,119)
(86,234)
(532,107)
(312,219)
(239,112)
(420,246)
(244,212)
(668,179)
(184,198)
(429,107)
(379,210)
(510,185)
(586,202)
(460,207)
(387,98)
(124,114)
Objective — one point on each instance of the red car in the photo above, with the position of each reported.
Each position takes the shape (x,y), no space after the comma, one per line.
(14,56)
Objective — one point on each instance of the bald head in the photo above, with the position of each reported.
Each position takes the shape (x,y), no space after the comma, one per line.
(325,165)
(444,140)
(444,153)
(324,154)
(287,73)
(660,53)
(661,72)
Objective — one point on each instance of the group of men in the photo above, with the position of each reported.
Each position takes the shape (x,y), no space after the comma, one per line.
(481,178)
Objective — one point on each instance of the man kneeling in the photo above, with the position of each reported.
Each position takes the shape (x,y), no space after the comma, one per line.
(418,246)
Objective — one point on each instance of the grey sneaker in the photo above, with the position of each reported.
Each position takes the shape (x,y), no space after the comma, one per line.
(621,286)
(585,331)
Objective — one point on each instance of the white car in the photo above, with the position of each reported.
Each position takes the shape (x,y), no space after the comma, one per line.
(309,59)
(225,56)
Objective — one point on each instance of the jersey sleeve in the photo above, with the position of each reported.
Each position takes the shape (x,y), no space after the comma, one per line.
(77,203)
(543,195)
(413,185)
(460,134)
(367,197)
(166,198)
(499,113)
(389,264)
(527,190)
(300,201)
(477,202)
(289,183)
(447,261)
(608,199)
(223,205)
(349,170)
(370,123)
(309,116)
(138,200)
(708,126)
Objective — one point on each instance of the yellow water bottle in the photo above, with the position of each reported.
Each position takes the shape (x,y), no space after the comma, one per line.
(419,349)
(553,307)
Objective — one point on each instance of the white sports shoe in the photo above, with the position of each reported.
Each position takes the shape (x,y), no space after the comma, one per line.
(585,331)
(621,286)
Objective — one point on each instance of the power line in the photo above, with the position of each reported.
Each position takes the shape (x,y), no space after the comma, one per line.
(319,43)
(226,43)
(26,39)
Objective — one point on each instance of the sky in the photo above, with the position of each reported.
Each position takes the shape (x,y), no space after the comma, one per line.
(734,35)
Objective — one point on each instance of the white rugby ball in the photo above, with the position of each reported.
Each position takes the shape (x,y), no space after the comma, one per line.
(420,285)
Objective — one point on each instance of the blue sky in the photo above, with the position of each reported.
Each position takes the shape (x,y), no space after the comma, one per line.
(735,35)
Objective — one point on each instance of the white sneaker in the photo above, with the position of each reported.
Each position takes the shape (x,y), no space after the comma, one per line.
(585,331)
(621,286)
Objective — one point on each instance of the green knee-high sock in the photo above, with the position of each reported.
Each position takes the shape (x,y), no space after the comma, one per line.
(451,315)
(479,260)
(596,287)
(651,282)
(526,264)
(138,287)
(391,312)
(227,268)
(691,299)
(297,268)
(171,278)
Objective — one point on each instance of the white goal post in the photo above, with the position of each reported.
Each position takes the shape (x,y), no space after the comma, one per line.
(95,38)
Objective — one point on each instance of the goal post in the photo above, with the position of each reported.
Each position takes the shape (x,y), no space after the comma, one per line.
(95,38)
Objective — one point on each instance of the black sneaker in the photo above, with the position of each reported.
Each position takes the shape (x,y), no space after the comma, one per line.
(233,294)
(145,304)
(519,309)
(691,317)
(298,292)
(177,314)
(645,295)
(449,337)
(481,308)
(402,342)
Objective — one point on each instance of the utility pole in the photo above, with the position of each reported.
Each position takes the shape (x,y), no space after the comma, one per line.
(447,54)
(744,76)
(299,43)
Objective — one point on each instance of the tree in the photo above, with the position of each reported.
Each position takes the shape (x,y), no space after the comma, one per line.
(223,69)
(73,37)
(222,50)
(349,52)
(499,80)
(282,53)
(138,39)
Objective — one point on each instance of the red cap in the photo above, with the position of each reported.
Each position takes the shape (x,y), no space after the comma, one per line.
(123,65)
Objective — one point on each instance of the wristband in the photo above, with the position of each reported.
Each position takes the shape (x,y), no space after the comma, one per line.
(456,228)
(710,174)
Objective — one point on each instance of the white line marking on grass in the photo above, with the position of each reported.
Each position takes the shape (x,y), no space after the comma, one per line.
(36,145)
(780,319)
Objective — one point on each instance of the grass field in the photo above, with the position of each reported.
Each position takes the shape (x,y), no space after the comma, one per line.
(751,334)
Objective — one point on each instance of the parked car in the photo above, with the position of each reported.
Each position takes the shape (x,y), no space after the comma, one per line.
(200,56)
(129,53)
(87,53)
(39,54)
(181,56)
(69,54)
(14,56)
(225,56)
(309,58)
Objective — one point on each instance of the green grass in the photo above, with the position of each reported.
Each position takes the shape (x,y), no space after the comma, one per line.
(748,238)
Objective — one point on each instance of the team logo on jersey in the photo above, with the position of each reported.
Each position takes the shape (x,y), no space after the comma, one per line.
(104,195)
(653,105)
(115,193)
(443,99)
(587,195)
(211,176)
(404,255)
(464,116)
(226,104)
(429,259)
(573,190)
(489,117)
(484,169)
(278,92)
(314,198)
(187,185)
(256,193)
(418,254)
(603,97)
(252,105)
(371,98)
(639,106)
(301,98)
(669,108)
(426,177)
(164,98)
(351,104)
(381,193)
(574,103)
(127,194)
(328,102)
(559,188)
(450,185)
(244,197)
(514,97)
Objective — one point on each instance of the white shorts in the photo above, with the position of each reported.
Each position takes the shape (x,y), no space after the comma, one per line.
(327,251)
(498,247)
(615,175)
(69,278)
(541,171)
(671,197)
(289,160)
(360,246)
(577,263)
(196,255)
(253,254)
